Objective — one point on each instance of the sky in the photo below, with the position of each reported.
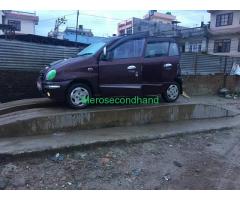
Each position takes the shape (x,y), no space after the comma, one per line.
(104,23)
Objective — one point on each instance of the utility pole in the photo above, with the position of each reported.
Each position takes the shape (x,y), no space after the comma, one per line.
(77,25)
(58,23)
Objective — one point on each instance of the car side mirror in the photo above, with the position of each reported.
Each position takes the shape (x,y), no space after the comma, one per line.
(105,51)
(105,56)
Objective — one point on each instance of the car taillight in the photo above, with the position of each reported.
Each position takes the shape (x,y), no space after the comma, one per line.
(178,70)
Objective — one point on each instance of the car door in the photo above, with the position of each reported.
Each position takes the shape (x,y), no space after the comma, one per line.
(158,68)
(120,75)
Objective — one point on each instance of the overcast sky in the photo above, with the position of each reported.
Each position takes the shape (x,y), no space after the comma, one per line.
(104,23)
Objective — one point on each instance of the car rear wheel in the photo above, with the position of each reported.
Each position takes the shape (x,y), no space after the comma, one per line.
(76,94)
(172,93)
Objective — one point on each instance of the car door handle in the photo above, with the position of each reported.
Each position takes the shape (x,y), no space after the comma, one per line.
(131,67)
(167,65)
(90,69)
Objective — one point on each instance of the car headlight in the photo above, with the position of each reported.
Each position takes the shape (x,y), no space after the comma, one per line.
(51,75)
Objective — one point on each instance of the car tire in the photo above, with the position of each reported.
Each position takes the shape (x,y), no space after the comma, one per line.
(172,93)
(74,94)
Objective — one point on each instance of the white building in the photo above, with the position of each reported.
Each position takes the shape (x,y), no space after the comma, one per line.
(23,22)
(220,37)
(1,14)
(224,32)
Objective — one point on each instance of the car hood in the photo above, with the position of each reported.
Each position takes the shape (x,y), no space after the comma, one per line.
(65,62)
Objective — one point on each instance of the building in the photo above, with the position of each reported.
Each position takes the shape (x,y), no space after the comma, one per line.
(220,37)
(80,31)
(155,16)
(23,22)
(224,32)
(1,14)
(190,39)
(153,22)
(84,36)
(194,39)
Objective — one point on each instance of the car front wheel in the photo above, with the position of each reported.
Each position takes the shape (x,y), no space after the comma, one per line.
(172,93)
(77,94)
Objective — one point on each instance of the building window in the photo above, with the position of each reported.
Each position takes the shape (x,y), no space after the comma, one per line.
(224,19)
(122,32)
(195,47)
(15,24)
(157,49)
(129,49)
(129,31)
(222,46)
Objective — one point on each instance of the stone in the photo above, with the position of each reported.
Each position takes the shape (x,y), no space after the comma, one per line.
(136,172)
(3,183)
(19,181)
(176,163)
(8,169)
(167,177)
(80,155)
(197,170)
(57,157)
(105,161)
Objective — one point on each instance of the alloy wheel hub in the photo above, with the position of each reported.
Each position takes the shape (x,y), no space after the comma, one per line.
(172,92)
(78,95)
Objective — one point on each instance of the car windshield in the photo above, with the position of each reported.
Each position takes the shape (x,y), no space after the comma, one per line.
(92,49)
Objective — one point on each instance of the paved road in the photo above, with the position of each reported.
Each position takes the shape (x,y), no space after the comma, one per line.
(202,161)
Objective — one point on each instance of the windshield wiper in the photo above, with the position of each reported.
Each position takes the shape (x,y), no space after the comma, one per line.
(85,54)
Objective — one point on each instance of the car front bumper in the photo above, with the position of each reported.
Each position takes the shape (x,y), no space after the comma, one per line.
(54,90)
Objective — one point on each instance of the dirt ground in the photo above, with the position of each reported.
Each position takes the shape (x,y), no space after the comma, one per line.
(202,161)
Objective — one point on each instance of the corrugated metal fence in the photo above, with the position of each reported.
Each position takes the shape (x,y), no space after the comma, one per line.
(204,64)
(31,56)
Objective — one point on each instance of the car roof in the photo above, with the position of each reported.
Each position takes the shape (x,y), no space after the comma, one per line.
(139,36)
(144,35)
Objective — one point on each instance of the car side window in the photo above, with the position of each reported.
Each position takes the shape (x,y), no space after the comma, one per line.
(173,50)
(156,49)
(129,49)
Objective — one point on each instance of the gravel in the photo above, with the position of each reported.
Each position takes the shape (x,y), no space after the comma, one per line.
(201,161)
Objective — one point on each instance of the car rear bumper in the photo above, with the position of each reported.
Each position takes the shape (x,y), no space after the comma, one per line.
(54,90)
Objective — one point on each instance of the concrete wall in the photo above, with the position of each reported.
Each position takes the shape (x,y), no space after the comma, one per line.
(40,123)
(17,84)
(206,84)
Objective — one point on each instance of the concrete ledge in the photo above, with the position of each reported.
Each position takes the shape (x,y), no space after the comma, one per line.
(14,106)
(58,141)
(48,121)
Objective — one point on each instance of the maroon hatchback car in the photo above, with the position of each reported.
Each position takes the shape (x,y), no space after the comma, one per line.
(133,65)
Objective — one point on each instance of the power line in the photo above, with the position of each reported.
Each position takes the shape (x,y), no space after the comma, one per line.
(56,17)
(112,18)
(85,14)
